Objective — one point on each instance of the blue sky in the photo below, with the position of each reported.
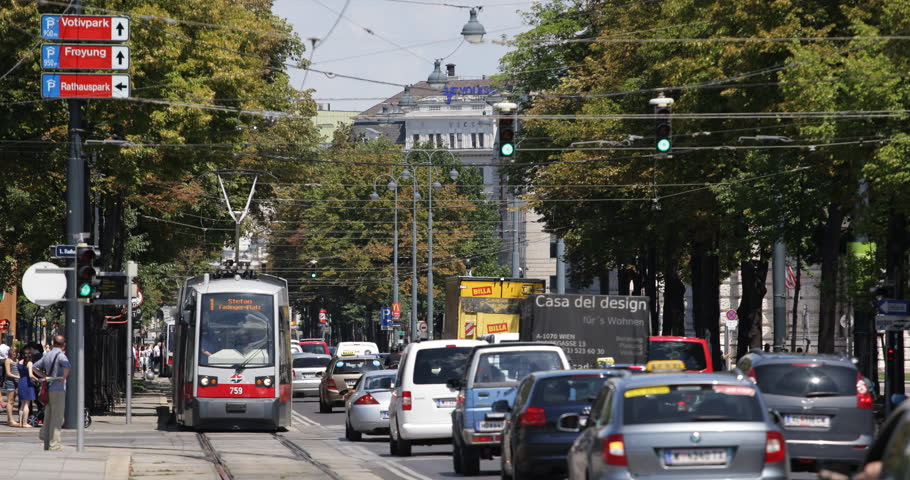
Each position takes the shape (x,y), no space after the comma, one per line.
(425,31)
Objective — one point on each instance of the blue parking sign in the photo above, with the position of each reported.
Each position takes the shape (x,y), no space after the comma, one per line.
(385,316)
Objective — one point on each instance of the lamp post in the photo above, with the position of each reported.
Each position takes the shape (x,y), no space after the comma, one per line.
(393,186)
(453,174)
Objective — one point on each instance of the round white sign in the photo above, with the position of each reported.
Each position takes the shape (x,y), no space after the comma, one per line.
(44,284)
(422,327)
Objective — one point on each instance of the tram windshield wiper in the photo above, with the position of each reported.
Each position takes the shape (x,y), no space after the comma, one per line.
(249,357)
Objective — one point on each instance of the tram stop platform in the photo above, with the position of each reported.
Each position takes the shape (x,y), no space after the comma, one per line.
(113,450)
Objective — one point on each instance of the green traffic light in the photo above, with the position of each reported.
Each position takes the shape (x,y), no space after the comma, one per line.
(85,290)
(312,275)
(663,145)
(507,149)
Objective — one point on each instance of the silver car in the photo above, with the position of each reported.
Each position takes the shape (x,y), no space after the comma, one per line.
(367,405)
(684,425)
(304,372)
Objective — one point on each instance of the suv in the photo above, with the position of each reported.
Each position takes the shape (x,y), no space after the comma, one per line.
(825,404)
(491,375)
(340,376)
(422,402)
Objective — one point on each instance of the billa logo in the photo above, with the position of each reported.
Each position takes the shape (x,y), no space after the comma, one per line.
(482,291)
(498,328)
(236,378)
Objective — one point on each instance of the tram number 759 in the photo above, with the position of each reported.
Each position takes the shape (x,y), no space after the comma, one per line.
(236,390)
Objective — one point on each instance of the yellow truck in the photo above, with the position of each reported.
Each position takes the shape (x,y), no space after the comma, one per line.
(478,306)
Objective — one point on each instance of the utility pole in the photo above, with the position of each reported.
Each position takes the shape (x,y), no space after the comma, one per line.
(516,269)
(560,266)
(780,307)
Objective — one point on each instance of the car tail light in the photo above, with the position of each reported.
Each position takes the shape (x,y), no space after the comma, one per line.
(751,376)
(294,373)
(366,400)
(533,417)
(613,450)
(863,395)
(775,448)
(330,385)
(405,400)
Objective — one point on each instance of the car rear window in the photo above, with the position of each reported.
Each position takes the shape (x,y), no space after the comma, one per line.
(437,365)
(356,366)
(312,348)
(378,382)
(305,362)
(512,366)
(806,379)
(567,389)
(691,353)
(690,403)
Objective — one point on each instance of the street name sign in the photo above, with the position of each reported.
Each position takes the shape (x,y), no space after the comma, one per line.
(84,85)
(63,251)
(894,307)
(892,322)
(85,27)
(85,57)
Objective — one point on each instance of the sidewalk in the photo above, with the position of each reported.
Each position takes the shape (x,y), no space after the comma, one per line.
(113,450)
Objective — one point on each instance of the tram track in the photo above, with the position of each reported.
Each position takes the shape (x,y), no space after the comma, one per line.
(223,468)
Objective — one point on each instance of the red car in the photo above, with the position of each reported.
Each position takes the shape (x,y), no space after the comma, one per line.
(314,345)
(694,352)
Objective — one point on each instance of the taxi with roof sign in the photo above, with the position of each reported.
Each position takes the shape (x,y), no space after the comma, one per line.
(670,425)
(340,376)
(665,366)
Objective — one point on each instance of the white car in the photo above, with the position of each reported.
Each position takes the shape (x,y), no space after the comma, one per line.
(295,349)
(353,349)
(367,406)
(305,370)
(421,408)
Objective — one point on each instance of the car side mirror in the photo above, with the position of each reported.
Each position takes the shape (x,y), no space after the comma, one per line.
(501,406)
(319,374)
(343,392)
(775,416)
(571,422)
(454,383)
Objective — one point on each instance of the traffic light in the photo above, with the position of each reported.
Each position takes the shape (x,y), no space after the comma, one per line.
(87,280)
(314,269)
(663,142)
(506,137)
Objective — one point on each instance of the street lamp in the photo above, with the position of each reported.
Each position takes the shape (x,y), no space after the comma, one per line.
(437,79)
(393,186)
(453,174)
(473,31)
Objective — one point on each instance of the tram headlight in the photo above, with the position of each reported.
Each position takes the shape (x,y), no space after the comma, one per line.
(267,382)
(264,382)
(204,381)
(207,381)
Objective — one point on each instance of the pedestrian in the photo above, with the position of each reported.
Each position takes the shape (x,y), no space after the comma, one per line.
(27,380)
(11,384)
(156,357)
(144,358)
(55,367)
(4,353)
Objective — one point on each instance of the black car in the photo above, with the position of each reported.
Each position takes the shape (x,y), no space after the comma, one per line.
(824,403)
(548,412)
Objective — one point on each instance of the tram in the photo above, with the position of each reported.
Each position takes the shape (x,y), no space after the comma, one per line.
(232,357)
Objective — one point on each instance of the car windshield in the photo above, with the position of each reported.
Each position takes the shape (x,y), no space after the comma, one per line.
(434,366)
(691,353)
(236,330)
(514,365)
(379,382)
(356,365)
(567,389)
(690,403)
(806,379)
(312,348)
(310,362)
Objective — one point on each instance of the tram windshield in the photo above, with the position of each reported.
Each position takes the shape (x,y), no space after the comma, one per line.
(237,330)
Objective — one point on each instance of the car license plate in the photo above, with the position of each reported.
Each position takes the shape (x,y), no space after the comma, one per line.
(307,375)
(384,415)
(811,421)
(445,402)
(695,456)
(490,426)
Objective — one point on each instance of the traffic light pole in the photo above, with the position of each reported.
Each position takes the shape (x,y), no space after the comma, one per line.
(75,206)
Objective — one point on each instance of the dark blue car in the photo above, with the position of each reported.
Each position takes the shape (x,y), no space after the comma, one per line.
(548,412)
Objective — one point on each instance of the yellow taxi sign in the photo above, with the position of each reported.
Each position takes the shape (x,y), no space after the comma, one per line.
(348,353)
(641,392)
(655,366)
(605,361)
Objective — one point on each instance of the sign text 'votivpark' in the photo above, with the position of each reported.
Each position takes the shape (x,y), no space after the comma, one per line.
(85,27)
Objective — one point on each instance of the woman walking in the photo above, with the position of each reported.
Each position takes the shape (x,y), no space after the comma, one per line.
(27,381)
(11,384)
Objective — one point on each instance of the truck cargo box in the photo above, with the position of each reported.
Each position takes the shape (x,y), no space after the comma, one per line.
(589,326)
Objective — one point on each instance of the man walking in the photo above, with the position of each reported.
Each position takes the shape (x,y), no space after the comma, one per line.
(55,367)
